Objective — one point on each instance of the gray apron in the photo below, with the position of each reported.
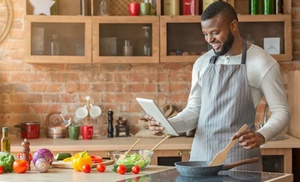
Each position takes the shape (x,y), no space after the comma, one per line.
(226,106)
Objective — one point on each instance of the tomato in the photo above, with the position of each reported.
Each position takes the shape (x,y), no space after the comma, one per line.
(135,169)
(20,166)
(1,169)
(101,167)
(86,168)
(121,169)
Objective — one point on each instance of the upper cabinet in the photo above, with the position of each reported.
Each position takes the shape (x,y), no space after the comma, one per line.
(103,31)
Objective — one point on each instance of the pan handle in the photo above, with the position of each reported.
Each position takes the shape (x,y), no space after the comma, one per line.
(240,162)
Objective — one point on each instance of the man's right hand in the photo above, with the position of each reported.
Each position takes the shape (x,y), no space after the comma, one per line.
(154,126)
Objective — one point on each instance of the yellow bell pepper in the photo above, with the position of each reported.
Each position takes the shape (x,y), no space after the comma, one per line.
(78,161)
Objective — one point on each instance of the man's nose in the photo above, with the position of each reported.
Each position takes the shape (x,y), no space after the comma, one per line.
(209,38)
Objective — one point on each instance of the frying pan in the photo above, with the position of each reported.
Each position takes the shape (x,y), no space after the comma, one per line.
(202,168)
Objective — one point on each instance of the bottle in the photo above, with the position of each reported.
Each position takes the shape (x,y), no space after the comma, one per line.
(5,142)
(269,7)
(253,7)
(110,128)
(25,144)
(54,8)
(147,42)
(127,49)
(103,8)
(54,45)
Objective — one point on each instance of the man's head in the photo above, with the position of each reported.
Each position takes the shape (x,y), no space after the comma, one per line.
(219,23)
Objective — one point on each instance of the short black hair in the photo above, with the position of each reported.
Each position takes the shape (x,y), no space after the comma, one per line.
(222,8)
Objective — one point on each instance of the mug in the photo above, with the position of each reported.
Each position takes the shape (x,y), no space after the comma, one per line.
(81,112)
(86,132)
(134,9)
(95,111)
(74,131)
(145,8)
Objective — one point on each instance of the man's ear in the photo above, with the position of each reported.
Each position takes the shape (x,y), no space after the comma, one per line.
(234,26)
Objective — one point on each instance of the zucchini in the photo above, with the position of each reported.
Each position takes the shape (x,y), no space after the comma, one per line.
(62,156)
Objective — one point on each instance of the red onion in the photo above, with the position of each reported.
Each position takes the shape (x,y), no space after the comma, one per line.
(43,153)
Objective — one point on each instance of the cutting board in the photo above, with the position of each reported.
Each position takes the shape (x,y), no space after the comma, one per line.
(68,165)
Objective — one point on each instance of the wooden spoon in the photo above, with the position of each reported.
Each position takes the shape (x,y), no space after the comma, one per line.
(125,154)
(221,156)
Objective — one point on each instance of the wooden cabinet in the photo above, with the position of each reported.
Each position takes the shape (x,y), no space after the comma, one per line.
(73,37)
(101,39)
(112,33)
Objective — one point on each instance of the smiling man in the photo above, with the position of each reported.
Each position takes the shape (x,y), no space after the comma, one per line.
(228,82)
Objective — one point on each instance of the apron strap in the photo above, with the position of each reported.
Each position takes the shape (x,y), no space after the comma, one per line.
(214,58)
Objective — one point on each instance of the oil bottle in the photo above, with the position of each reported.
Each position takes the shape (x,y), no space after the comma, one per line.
(5,141)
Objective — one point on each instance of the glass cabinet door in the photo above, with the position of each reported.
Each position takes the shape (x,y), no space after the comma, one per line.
(125,39)
(182,40)
(58,40)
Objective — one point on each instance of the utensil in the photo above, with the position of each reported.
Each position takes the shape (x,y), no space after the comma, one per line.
(146,155)
(125,154)
(221,156)
(202,168)
(29,130)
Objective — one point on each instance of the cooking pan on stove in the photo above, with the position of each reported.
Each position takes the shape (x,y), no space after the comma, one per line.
(202,168)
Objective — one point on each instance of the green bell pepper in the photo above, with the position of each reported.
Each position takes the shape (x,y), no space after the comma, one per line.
(6,161)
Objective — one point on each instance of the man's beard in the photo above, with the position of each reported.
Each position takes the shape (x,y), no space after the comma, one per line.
(227,45)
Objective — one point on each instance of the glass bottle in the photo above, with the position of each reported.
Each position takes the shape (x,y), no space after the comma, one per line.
(147,42)
(54,45)
(103,8)
(269,7)
(253,7)
(54,8)
(5,142)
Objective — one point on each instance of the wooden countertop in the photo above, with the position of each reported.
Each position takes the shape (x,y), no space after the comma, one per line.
(122,143)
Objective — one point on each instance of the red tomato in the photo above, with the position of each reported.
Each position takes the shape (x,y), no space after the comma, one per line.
(20,166)
(135,169)
(86,168)
(121,169)
(101,167)
(1,169)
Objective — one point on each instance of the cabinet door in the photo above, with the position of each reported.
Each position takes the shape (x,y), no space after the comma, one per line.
(181,38)
(125,39)
(73,38)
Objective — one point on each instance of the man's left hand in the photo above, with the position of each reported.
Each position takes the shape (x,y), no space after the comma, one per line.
(249,139)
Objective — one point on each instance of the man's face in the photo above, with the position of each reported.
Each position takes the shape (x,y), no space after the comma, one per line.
(217,33)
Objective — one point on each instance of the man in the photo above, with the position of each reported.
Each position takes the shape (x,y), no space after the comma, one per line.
(228,82)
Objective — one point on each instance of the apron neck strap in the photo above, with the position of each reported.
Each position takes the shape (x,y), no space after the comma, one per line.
(214,58)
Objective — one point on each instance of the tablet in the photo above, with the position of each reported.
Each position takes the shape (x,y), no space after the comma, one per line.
(151,108)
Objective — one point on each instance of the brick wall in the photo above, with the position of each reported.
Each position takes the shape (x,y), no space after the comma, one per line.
(30,91)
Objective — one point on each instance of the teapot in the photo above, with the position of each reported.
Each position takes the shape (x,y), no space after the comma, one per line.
(56,125)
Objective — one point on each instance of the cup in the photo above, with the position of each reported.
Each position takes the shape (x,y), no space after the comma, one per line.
(145,8)
(134,9)
(86,132)
(95,111)
(81,112)
(74,131)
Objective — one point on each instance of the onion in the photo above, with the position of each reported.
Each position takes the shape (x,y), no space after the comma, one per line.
(43,153)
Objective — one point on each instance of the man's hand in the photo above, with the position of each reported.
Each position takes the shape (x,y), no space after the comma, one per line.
(154,126)
(249,139)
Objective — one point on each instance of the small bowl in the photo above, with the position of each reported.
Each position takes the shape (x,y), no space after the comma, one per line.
(143,157)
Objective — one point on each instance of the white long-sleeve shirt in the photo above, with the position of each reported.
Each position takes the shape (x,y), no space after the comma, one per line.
(264,78)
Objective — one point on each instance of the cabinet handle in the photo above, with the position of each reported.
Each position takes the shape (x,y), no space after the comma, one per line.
(180,152)
(107,154)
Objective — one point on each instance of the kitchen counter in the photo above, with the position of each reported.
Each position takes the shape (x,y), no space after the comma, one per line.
(151,174)
(174,146)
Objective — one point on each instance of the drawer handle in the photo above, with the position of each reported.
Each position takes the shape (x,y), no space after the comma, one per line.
(180,152)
